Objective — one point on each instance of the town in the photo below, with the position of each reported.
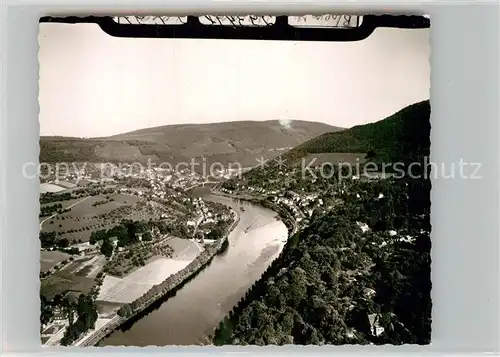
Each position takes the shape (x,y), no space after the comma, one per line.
(218,191)
(106,242)
(364,220)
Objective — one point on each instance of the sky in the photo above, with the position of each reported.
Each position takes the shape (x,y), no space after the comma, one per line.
(92,84)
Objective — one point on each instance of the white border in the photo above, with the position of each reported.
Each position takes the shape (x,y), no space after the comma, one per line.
(465,214)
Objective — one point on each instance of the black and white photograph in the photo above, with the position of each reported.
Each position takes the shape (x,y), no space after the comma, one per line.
(199,191)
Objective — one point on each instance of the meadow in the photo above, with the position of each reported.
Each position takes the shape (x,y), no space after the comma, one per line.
(49,259)
(134,285)
(50,187)
(72,277)
(90,215)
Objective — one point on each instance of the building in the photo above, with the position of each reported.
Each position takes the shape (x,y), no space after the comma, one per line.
(59,314)
(369,293)
(375,327)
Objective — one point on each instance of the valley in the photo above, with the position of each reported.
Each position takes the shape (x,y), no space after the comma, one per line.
(263,254)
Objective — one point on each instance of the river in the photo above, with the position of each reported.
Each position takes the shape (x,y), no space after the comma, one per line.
(193,313)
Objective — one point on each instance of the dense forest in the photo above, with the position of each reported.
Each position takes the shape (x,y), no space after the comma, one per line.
(85,311)
(358,272)
(52,209)
(332,275)
(402,137)
(49,240)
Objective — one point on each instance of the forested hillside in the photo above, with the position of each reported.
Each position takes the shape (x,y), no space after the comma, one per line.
(404,136)
(241,142)
(332,275)
(359,270)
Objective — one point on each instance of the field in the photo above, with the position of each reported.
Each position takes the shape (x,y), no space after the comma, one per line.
(131,287)
(118,201)
(49,259)
(84,218)
(106,308)
(65,204)
(60,282)
(91,267)
(135,255)
(50,187)
(77,276)
(184,249)
(66,184)
(135,284)
(145,268)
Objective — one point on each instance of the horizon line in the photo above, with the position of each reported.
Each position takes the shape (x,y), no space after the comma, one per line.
(193,124)
(227,122)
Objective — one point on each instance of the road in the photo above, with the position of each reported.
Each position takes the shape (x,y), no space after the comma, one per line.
(55,214)
(94,337)
(198,245)
(55,338)
(53,269)
(192,242)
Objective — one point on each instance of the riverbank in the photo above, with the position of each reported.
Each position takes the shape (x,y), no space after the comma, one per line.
(186,318)
(130,313)
(284,215)
(219,333)
(224,329)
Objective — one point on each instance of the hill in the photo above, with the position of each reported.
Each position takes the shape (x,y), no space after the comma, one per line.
(358,270)
(333,277)
(226,142)
(402,137)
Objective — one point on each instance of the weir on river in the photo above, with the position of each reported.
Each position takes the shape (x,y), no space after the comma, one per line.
(197,308)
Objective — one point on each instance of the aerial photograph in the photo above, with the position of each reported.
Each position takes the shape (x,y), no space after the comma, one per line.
(233,192)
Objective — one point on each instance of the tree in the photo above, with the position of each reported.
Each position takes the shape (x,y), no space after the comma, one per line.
(107,248)
(321,279)
(370,155)
(125,311)
(46,310)
(87,315)
(146,236)
(63,243)
(215,233)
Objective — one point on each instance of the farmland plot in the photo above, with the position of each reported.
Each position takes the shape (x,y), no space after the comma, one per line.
(131,287)
(87,208)
(50,187)
(136,255)
(86,217)
(65,203)
(184,249)
(49,259)
(77,276)
(61,281)
(66,184)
